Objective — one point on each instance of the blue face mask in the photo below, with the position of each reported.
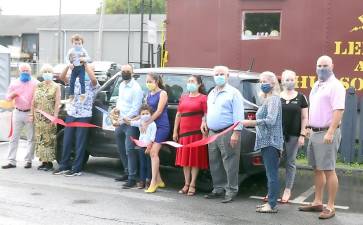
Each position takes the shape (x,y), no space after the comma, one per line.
(191,87)
(77,47)
(86,77)
(266,88)
(220,80)
(47,76)
(25,77)
(323,73)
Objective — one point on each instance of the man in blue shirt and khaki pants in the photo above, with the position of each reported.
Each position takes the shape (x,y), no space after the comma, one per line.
(225,107)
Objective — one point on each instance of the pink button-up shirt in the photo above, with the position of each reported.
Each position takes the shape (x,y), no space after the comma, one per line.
(325,97)
(24,92)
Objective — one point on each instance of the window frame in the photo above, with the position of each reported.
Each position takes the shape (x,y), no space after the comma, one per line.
(244,12)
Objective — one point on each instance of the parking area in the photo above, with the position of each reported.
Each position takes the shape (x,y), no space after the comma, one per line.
(28,197)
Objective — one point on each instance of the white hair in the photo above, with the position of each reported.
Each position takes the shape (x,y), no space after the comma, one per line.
(221,68)
(286,74)
(23,66)
(46,67)
(326,59)
(271,79)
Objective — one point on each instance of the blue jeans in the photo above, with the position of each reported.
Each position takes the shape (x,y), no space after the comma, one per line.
(77,136)
(271,159)
(144,165)
(126,148)
(78,71)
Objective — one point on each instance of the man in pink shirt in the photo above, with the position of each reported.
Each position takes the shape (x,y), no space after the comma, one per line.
(21,90)
(327,103)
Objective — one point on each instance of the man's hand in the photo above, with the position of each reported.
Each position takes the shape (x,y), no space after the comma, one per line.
(328,138)
(204,128)
(301,141)
(248,123)
(71,66)
(13,95)
(234,139)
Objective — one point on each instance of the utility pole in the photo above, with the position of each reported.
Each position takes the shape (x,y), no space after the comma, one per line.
(59,31)
(128,32)
(100,31)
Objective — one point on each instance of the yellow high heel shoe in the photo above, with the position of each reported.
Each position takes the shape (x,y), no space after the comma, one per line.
(161,184)
(151,189)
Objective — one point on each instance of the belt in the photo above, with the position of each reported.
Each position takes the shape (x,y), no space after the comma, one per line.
(191,113)
(190,133)
(319,129)
(221,130)
(23,110)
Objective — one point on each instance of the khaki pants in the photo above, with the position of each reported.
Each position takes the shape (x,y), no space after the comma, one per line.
(21,120)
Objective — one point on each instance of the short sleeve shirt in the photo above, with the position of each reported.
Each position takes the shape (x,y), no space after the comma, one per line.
(291,114)
(325,97)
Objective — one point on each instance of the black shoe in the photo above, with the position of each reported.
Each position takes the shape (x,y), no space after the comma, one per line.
(122,178)
(214,195)
(72,173)
(28,165)
(129,184)
(48,166)
(59,172)
(8,166)
(42,167)
(228,199)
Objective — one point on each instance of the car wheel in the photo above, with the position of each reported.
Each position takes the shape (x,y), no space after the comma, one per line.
(204,181)
(59,150)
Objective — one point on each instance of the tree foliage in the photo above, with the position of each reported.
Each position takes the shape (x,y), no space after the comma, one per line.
(121,6)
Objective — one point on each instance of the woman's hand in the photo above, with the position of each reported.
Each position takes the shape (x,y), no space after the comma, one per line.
(204,128)
(31,118)
(148,149)
(248,123)
(301,141)
(175,136)
(234,139)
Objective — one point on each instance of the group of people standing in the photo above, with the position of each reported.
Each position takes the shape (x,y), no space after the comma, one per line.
(282,124)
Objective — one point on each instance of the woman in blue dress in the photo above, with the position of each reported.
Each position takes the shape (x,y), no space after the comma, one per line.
(157,99)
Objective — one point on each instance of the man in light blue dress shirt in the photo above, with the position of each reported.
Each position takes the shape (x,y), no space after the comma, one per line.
(128,103)
(225,107)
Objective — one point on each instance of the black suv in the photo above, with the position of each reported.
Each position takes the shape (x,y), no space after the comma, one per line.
(102,141)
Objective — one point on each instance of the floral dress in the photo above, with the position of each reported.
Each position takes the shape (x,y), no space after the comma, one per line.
(45,131)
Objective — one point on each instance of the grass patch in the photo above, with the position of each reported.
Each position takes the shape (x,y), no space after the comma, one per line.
(340,165)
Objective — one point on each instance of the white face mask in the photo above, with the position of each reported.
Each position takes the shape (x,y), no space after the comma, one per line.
(145,117)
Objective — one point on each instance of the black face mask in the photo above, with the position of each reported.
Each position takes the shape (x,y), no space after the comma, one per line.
(126,75)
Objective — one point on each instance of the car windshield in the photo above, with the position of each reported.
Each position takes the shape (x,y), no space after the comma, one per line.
(175,86)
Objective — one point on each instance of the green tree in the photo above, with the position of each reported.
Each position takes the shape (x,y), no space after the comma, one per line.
(120,6)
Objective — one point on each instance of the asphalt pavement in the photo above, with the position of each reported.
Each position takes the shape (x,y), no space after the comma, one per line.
(32,197)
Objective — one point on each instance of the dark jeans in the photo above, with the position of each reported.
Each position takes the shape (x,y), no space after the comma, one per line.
(126,148)
(77,136)
(144,165)
(78,71)
(271,160)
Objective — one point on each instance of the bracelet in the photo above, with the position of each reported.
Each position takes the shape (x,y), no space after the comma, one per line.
(302,135)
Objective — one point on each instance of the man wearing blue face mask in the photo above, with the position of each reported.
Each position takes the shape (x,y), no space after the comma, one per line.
(327,103)
(21,91)
(80,110)
(225,107)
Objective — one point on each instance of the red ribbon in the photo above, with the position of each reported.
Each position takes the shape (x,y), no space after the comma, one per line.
(201,142)
(56,120)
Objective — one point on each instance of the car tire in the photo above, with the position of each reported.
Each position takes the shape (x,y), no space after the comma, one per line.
(59,150)
(204,181)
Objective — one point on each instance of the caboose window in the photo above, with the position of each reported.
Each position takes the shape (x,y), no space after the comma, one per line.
(261,25)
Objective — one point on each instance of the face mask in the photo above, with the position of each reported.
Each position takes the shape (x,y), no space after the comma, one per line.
(145,118)
(47,76)
(266,88)
(126,75)
(290,85)
(191,87)
(25,77)
(151,86)
(86,77)
(323,73)
(77,47)
(220,80)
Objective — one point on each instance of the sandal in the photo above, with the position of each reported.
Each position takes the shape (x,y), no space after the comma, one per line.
(285,197)
(267,209)
(184,190)
(191,193)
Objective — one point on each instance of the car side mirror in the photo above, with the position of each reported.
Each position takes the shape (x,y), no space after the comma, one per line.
(101,97)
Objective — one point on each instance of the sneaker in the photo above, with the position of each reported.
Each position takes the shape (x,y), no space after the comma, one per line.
(59,172)
(121,178)
(140,185)
(28,165)
(129,184)
(8,166)
(266,208)
(72,173)
(48,166)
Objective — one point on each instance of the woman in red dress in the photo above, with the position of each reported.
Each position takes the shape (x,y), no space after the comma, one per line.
(191,110)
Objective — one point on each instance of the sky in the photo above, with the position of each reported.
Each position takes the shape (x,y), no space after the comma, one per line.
(48,7)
